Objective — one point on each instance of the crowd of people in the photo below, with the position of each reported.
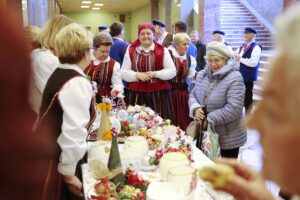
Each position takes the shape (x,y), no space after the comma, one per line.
(176,75)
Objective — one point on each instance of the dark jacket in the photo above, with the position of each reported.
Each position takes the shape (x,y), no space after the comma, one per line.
(201,52)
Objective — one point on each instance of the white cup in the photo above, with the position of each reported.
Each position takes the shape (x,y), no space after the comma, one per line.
(170,160)
(138,145)
(99,150)
(185,176)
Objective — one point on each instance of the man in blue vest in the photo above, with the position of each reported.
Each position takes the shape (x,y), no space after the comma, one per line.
(248,55)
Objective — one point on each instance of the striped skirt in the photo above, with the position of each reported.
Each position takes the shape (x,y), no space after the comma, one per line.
(180,108)
(159,101)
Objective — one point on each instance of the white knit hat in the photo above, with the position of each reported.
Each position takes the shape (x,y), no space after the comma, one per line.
(218,49)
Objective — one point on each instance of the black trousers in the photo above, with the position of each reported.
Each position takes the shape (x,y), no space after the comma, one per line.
(248,96)
(230,153)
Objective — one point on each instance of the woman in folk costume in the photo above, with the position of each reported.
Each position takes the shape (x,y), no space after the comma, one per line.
(185,67)
(104,70)
(68,108)
(44,62)
(146,67)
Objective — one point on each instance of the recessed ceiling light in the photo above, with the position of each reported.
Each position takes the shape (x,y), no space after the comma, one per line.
(96,8)
(86,2)
(179,5)
(84,6)
(98,4)
(24,2)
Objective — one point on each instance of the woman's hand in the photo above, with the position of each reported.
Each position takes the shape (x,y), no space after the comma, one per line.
(199,114)
(152,74)
(246,184)
(143,76)
(74,185)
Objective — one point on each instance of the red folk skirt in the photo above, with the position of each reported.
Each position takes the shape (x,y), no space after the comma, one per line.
(180,99)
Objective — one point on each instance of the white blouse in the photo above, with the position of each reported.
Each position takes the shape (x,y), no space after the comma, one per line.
(192,69)
(75,100)
(167,73)
(44,62)
(255,55)
(116,79)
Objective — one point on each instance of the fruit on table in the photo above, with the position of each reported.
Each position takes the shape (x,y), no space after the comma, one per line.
(105,187)
(217,174)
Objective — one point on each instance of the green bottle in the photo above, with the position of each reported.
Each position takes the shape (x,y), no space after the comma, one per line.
(114,162)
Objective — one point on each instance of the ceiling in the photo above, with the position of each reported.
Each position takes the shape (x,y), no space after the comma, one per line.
(108,5)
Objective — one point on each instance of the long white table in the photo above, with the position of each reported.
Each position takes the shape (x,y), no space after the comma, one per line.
(203,191)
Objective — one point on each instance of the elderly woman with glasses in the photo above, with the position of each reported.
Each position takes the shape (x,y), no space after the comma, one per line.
(147,67)
(219,90)
(277,119)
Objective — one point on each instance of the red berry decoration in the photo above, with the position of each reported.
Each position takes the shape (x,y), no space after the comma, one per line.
(141,195)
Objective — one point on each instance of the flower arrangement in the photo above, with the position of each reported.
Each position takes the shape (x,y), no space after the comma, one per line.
(135,187)
(104,132)
(178,143)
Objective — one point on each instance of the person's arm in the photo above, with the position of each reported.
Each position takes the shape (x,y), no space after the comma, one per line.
(75,100)
(245,183)
(169,70)
(43,65)
(127,73)
(193,102)
(254,59)
(192,69)
(116,79)
(234,103)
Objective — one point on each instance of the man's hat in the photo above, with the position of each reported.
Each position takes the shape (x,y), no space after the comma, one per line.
(250,30)
(219,32)
(158,22)
(102,28)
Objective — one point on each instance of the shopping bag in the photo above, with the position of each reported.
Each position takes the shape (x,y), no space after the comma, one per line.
(210,143)
(192,129)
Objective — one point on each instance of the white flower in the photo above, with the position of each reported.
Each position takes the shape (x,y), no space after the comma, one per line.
(137,108)
(107,100)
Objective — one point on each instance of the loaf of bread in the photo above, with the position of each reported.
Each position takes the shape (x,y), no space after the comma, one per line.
(217,174)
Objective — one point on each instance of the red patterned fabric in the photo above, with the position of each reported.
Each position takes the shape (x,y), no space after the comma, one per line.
(180,115)
(102,75)
(180,94)
(144,62)
(146,26)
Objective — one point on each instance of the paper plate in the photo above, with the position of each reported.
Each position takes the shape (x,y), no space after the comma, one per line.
(165,191)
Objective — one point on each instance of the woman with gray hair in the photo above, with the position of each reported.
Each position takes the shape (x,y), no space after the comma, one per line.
(219,90)
(277,119)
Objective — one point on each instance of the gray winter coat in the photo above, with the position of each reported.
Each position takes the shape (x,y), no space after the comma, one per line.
(224,105)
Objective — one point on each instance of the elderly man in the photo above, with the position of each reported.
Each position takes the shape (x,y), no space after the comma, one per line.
(248,55)
(201,50)
(163,37)
(219,37)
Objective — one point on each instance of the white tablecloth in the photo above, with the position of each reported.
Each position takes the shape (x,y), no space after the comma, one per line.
(203,191)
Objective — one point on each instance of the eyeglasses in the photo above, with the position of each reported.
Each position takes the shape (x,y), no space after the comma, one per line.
(215,61)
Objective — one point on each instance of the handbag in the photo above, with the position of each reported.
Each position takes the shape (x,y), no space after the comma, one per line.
(210,142)
(192,129)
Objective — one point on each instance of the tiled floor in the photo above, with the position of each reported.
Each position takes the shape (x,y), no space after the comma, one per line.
(251,153)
